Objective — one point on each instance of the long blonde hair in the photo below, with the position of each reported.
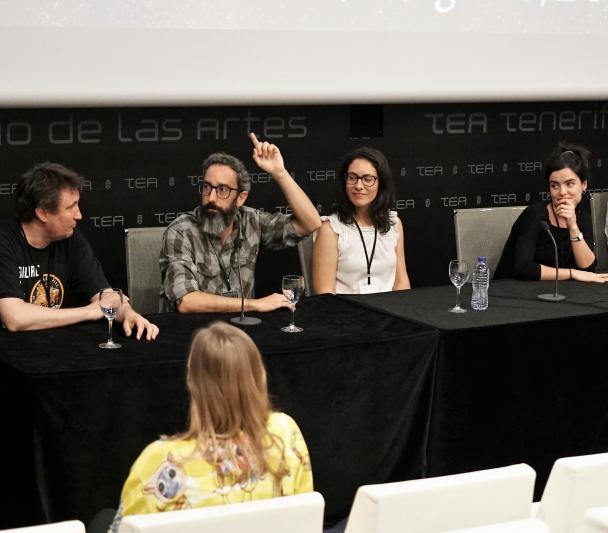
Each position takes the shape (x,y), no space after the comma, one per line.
(229,404)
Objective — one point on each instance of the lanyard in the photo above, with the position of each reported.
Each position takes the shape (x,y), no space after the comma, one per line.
(368,259)
(225,273)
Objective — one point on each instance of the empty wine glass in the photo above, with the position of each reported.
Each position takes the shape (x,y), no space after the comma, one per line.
(293,288)
(110,301)
(459,274)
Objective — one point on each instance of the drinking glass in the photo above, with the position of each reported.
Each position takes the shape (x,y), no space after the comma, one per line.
(293,288)
(459,274)
(110,301)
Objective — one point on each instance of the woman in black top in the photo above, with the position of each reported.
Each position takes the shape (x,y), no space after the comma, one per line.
(529,252)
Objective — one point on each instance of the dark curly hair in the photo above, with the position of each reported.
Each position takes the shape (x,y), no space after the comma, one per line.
(568,155)
(41,187)
(385,199)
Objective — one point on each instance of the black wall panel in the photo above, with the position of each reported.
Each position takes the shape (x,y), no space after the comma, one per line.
(142,165)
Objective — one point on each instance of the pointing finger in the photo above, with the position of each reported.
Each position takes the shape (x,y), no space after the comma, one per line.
(254,139)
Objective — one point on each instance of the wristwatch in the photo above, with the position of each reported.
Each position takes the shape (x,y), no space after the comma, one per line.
(579,237)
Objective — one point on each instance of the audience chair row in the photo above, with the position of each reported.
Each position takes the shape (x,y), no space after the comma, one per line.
(498,500)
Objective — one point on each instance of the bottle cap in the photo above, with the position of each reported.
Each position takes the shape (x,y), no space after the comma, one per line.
(482,259)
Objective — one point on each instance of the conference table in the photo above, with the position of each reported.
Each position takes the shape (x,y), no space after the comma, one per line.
(385,387)
(75,417)
(523,381)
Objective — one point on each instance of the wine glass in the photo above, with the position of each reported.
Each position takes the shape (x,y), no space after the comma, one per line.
(293,288)
(459,274)
(110,301)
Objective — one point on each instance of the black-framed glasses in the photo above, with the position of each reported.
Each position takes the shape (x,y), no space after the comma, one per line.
(222,191)
(368,180)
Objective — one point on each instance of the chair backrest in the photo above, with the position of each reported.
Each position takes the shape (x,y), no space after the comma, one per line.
(305,255)
(528,525)
(142,248)
(483,231)
(595,520)
(302,513)
(574,485)
(598,217)
(442,503)
(70,526)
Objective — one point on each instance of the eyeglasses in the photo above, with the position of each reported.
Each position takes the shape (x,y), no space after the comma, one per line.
(222,191)
(368,180)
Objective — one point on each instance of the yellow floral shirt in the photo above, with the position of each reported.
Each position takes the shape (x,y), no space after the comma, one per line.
(168,476)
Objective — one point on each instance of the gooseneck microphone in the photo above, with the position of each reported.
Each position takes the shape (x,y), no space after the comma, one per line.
(555,297)
(242,320)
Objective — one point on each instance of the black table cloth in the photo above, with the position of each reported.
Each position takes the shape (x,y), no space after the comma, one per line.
(523,381)
(74,417)
(385,387)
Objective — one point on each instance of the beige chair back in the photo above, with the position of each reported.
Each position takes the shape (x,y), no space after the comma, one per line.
(70,526)
(305,255)
(142,249)
(595,520)
(574,485)
(302,513)
(444,503)
(598,217)
(483,231)
(528,525)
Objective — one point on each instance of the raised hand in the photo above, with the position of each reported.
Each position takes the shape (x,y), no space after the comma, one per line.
(267,156)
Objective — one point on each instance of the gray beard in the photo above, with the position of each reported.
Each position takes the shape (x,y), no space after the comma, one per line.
(215,223)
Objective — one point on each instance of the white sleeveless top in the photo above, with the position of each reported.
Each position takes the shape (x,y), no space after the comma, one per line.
(352,266)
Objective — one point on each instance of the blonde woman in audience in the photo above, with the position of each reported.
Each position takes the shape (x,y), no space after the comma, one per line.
(236,448)
(359,249)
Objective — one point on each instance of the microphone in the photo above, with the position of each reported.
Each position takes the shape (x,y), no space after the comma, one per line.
(555,297)
(242,320)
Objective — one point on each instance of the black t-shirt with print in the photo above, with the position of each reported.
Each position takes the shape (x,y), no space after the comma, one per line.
(66,271)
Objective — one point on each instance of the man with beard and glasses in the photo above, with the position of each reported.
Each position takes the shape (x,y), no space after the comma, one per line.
(200,250)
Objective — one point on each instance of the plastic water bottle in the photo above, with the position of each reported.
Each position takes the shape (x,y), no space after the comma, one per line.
(481,282)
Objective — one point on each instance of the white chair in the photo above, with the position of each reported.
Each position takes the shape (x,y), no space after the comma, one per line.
(70,526)
(483,231)
(305,255)
(595,520)
(598,217)
(443,503)
(574,485)
(142,249)
(528,525)
(302,513)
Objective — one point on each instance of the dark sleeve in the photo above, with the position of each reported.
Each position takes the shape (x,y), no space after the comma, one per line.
(86,274)
(585,224)
(528,232)
(518,256)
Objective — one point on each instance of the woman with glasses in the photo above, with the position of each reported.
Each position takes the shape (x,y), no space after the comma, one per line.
(529,252)
(359,249)
(235,449)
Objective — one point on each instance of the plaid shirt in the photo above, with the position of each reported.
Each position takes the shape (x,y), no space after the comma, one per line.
(190,259)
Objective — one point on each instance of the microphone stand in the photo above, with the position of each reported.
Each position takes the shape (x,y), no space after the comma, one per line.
(242,320)
(555,297)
